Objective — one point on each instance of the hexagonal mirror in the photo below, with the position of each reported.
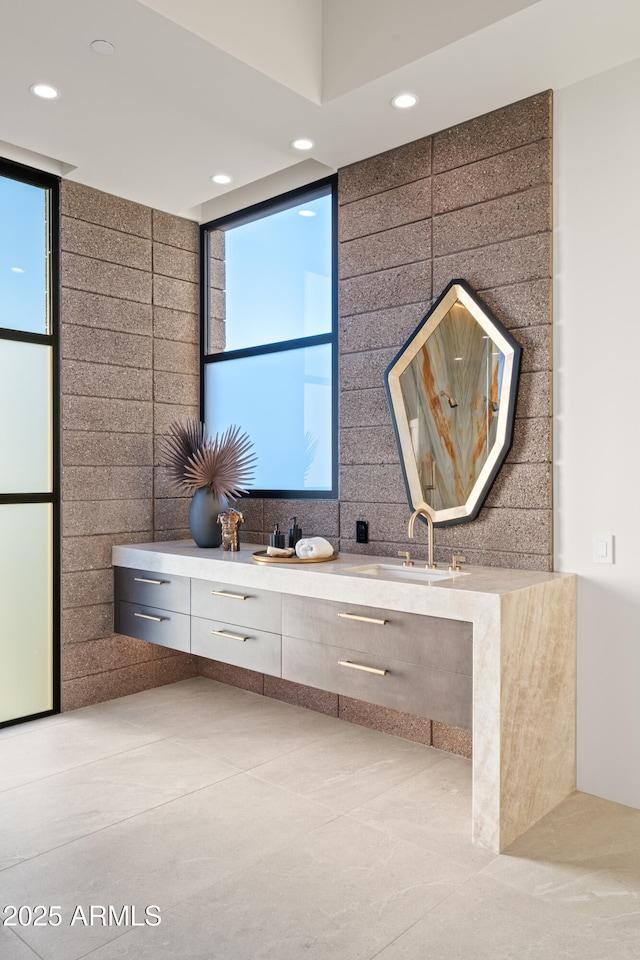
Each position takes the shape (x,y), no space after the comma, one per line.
(452,391)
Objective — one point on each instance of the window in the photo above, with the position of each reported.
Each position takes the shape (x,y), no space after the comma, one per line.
(29,498)
(270,335)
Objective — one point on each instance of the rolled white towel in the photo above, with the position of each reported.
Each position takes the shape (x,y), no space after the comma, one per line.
(313,548)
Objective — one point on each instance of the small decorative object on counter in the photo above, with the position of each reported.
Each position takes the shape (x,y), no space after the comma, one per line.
(313,548)
(214,470)
(295,533)
(230,520)
(278,552)
(277,539)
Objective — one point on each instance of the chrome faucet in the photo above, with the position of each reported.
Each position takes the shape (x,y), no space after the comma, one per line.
(421,512)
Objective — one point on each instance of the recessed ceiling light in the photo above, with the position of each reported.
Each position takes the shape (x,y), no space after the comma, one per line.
(302,143)
(103,47)
(45,91)
(220,178)
(404,100)
(307,213)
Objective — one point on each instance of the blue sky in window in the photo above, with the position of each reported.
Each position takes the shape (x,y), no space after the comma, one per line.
(23,256)
(278,276)
(283,401)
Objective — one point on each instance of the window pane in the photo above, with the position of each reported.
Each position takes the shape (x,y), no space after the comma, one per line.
(26,643)
(278,276)
(23,256)
(25,417)
(283,401)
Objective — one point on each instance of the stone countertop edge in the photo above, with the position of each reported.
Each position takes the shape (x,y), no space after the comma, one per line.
(463,598)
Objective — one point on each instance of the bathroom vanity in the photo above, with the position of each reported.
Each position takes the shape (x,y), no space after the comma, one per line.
(488,649)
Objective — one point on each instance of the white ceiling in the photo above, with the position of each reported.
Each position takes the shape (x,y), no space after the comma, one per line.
(197,87)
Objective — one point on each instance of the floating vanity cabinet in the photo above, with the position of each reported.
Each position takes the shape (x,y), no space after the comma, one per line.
(236,625)
(153,607)
(416,664)
(492,650)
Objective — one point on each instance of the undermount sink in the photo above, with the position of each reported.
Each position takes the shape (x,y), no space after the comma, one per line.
(391,571)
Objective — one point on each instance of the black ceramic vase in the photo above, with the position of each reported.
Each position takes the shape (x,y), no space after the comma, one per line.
(203,518)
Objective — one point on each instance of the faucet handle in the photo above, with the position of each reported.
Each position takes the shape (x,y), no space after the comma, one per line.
(407,562)
(457,560)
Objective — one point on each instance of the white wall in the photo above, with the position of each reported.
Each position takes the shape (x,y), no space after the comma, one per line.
(597,411)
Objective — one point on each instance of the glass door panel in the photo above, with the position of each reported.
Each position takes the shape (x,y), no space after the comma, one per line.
(29,469)
(25,417)
(26,604)
(24,266)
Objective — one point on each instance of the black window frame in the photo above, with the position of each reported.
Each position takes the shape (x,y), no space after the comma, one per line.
(327,186)
(38,178)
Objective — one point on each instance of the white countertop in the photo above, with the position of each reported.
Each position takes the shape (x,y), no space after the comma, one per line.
(461,598)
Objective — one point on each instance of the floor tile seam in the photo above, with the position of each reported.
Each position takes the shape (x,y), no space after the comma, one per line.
(78,766)
(337,813)
(422,847)
(251,771)
(483,875)
(117,823)
(268,851)
(420,919)
(278,756)
(28,946)
(5,735)
(107,943)
(583,872)
(89,763)
(101,946)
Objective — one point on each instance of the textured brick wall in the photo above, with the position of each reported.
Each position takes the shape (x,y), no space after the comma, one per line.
(129,346)
(472,202)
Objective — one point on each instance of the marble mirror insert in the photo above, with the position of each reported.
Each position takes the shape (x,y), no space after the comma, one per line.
(452,391)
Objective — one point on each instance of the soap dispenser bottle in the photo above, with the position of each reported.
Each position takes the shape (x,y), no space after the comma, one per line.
(295,533)
(277,539)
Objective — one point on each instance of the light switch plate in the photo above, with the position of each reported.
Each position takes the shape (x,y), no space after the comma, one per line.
(603,548)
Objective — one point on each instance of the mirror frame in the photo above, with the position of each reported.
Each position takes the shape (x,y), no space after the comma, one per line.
(456,291)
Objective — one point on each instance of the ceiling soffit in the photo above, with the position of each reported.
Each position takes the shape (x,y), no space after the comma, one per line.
(323,49)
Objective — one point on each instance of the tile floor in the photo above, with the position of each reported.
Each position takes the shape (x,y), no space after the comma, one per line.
(263,831)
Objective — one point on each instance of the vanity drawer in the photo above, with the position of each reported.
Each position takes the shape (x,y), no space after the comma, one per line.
(165,627)
(260,609)
(162,590)
(429,641)
(242,647)
(435,694)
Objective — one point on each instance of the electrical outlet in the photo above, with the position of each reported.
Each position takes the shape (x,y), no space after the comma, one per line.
(362,531)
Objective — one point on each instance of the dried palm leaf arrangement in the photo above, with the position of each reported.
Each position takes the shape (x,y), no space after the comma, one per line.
(223,464)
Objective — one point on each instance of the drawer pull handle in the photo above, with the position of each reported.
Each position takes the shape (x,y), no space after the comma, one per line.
(355,616)
(157,583)
(230,596)
(361,666)
(147,616)
(230,636)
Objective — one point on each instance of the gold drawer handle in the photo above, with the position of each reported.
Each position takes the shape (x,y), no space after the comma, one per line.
(361,666)
(231,596)
(157,583)
(230,636)
(354,616)
(146,616)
